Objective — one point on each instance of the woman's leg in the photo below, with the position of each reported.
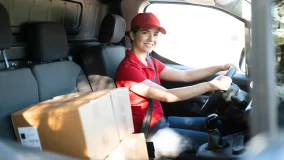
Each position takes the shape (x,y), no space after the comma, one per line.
(173,136)
(191,123)
(171,142)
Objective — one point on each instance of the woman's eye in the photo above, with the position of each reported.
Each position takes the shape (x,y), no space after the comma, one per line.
(145,32)
(156,35)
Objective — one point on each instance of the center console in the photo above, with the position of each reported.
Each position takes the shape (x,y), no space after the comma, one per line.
(231,147)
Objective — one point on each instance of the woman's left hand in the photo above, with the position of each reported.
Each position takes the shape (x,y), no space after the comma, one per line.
(227,66)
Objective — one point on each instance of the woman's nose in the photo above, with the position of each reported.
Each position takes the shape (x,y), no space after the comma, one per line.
(151,38)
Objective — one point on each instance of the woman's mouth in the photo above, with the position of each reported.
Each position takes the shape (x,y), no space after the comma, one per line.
(148,45)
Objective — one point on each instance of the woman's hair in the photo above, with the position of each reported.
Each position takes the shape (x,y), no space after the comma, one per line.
(134,30)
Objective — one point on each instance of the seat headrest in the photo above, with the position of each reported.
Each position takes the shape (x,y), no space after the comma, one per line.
(47,41)
(5,29)
(112,29)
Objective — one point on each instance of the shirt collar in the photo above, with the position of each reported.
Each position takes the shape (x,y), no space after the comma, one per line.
(135,60)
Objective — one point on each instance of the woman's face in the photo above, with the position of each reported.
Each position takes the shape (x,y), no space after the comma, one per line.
(144,41)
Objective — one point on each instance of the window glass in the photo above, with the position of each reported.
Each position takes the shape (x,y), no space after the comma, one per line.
(198,36)
(278,34)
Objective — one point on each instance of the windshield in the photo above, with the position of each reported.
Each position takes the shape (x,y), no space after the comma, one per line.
(200,37)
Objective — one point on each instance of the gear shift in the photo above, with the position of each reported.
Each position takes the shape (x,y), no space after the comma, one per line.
(215,140)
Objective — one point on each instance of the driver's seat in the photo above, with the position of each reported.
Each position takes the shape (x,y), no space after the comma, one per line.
(100,62)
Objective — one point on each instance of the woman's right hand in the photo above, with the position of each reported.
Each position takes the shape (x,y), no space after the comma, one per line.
(221,82)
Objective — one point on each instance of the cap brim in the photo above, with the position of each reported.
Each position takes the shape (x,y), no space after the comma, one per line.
(149,26)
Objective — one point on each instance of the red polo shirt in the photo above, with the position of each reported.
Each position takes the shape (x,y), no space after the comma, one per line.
(132,71)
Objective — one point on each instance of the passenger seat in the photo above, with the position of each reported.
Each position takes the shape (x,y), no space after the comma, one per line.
(47,43)
(18,87)
(100,62)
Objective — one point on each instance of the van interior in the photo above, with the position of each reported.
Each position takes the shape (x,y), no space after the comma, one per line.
(56,47)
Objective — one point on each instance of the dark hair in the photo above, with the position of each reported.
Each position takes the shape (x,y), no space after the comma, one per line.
(134,30)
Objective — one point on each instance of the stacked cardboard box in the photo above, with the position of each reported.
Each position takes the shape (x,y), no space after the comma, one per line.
(133,147)
(120,104)
(93,125)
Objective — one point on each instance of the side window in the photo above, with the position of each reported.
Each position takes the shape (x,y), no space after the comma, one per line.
(278,34)
(198,36)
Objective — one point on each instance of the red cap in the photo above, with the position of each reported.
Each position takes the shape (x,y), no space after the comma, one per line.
(147,21)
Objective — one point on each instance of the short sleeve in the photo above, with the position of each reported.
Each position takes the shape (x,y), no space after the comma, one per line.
(128,75)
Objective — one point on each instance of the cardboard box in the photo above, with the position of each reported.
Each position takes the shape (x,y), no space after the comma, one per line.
(122,111)
(78,95)
(132,147)
(121,107)
(81,126)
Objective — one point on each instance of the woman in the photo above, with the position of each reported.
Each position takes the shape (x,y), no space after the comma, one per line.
(172,135)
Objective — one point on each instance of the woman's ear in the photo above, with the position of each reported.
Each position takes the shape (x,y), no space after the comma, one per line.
(131,35)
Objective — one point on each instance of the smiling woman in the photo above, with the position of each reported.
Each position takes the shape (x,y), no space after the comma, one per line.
(141,74)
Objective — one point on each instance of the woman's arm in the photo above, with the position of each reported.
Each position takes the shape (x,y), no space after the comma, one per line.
(171,74)
(152,90)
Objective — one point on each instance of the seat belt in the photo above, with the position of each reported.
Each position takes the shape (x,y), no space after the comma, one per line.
(3,52)
(148,116)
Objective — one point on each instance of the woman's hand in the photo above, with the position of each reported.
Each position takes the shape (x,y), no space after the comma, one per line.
(227,66)
(221,82)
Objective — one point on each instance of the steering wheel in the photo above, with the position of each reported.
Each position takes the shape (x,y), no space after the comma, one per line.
(209,106)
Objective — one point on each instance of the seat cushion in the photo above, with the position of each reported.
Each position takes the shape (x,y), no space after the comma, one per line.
(103,60)
(59,78)
(100,64)
(18,90)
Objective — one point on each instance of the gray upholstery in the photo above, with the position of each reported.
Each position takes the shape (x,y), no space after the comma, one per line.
(103,60)
(100,62)
(112,29)
(18,90)
(47,41)
(5,29)
(15,151)
(59,78)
